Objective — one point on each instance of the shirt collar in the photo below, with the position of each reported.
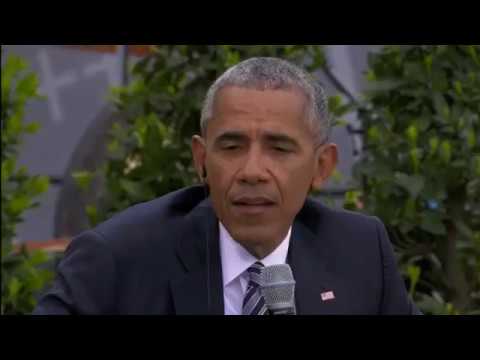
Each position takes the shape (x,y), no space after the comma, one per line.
(236,259)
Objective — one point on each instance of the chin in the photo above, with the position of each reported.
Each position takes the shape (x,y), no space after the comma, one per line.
(251,235)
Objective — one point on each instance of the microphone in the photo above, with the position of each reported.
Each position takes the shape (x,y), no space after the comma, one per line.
(277,286)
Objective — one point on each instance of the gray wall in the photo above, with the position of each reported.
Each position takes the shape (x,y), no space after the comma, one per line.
(76,84)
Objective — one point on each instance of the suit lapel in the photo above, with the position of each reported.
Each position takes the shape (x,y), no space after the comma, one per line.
(308,260)
(200,289)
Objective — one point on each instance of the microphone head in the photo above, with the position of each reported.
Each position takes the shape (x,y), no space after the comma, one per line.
(278,289)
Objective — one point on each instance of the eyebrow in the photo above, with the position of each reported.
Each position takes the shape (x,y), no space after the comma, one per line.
(230,136)
(272,137)
(280,138)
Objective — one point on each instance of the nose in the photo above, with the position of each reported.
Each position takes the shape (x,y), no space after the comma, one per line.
(254,168)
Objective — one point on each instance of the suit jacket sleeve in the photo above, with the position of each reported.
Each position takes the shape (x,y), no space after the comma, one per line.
(85,280)
(395,299)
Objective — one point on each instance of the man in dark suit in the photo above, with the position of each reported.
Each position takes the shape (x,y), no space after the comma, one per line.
(264,146)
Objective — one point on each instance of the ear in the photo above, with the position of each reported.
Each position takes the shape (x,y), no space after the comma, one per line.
(199,152)
(326,162)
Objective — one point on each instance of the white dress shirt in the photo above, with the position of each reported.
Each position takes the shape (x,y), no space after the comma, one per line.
(235,262)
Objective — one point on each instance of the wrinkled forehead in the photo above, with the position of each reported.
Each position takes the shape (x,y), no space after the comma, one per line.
(245,103)
(257,112)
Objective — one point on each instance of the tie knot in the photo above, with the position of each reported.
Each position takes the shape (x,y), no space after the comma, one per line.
(254,273)
(256,268)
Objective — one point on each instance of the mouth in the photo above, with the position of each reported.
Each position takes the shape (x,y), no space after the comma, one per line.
(253,205)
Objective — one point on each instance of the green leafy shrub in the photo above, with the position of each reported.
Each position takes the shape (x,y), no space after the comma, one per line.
(420,171)
(22,275)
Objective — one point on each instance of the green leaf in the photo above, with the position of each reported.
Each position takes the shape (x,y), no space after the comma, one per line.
(38,257)
(428,62)
(27,86)
(476,165)
(20,203)
(14,124)
(352,199)
(409,213)
(433,143)
(432,223)
(40,184)
(233,58)
(414,71)
(440,105)
(381,86)
(8,167)
(92,214)
(463,228)
(415,155)
(414,275)
(334,103)
(132,188)
(114,149)
(14,287)
(458,87)
(412,135)
(370,76)
(471,139)
(413,184)
(373,134)
(83,179)
(12,67)
(440,82)
(446,151)
(473,187)
(473,53)
(32,127)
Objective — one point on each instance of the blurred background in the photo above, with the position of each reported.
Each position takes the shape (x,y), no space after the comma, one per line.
(114,123)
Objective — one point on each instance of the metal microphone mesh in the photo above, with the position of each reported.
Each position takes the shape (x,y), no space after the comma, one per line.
(278,289)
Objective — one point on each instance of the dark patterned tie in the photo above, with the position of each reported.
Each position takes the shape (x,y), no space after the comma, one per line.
(253,302)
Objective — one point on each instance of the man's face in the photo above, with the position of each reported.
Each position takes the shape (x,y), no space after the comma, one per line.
(261,162)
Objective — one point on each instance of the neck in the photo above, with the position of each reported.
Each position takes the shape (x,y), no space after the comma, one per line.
(261,250)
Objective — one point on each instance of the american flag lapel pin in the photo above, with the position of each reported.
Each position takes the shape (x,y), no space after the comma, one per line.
(327,295)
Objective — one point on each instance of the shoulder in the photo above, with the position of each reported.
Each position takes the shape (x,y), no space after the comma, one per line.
(170,206)
(342,227)
(153,223)
(315,214)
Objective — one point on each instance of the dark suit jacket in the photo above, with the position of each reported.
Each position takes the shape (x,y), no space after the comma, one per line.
(152,259)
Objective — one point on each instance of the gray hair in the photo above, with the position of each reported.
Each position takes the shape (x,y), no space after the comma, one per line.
(266,73)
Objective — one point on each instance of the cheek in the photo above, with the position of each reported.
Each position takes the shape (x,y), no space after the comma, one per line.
(220,175)
(296,181)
